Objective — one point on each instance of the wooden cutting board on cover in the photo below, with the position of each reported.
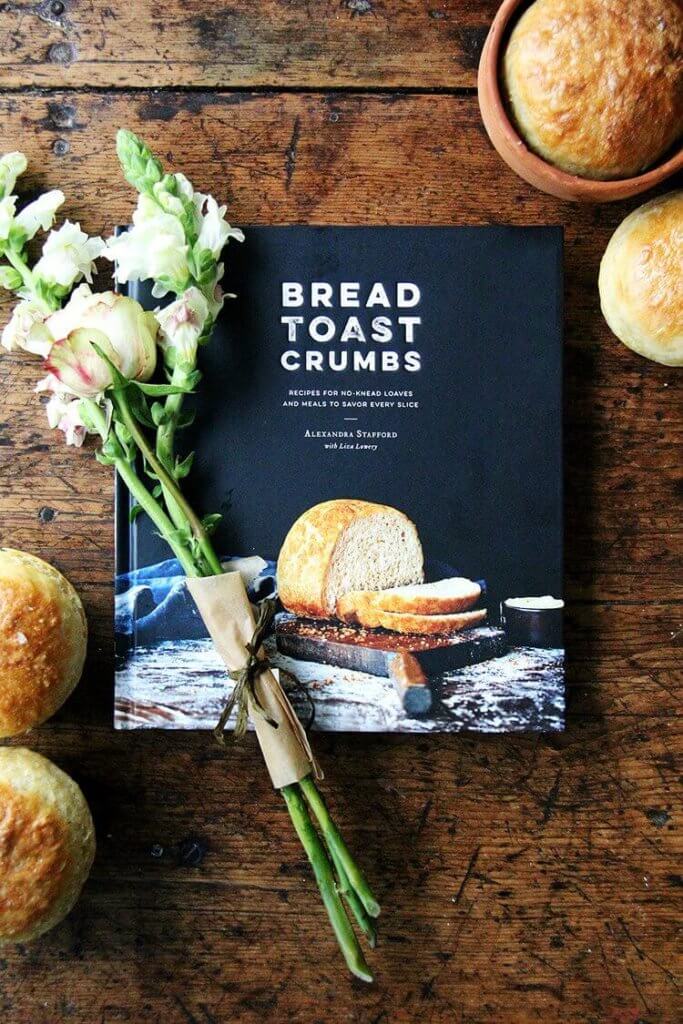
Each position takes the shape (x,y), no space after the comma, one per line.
(410,661)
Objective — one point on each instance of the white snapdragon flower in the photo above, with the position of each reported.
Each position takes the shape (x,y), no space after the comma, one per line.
(154,247)
(68,255)
(64,412)
(215,230)
(40,214)
(27,330)
(181,324)
(11,166)
(7,208)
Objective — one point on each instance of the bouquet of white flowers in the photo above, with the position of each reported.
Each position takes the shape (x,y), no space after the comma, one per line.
(100,354)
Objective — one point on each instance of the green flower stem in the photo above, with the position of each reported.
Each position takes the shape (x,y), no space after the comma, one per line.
(335,841)
(168,482)
(349,894)
(165,442)
(143,497)
(310,840)
(155,512)
(28,279)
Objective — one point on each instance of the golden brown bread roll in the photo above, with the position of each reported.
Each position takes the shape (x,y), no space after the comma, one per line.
(596,86)
(641,280)
(43,637)
(342,545)
(47,844)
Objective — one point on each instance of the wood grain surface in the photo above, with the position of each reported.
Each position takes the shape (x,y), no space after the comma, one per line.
(522,879)
(294,43)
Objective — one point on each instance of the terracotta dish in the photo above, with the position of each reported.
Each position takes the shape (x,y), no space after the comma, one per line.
(512,148)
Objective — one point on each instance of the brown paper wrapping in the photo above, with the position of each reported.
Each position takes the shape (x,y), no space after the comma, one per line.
(224,606)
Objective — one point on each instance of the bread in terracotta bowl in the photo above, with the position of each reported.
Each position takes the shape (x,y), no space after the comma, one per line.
(584,98)
(594,86)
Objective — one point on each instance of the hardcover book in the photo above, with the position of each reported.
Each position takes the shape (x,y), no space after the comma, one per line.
(380,426)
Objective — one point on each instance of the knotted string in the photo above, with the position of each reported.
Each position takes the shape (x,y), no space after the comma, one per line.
(245,680)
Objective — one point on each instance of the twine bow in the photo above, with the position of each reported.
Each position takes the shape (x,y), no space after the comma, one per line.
(244,693)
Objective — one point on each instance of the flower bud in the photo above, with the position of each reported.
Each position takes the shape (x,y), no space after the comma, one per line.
(78,367)
(119,326)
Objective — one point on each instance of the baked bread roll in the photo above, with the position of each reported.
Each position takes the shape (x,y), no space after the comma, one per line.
(641,280)
(444,597)
(596,86)
(345,545)
(47,844)
(421,625)
(43,636)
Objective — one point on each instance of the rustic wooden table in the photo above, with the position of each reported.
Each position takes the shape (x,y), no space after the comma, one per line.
(522,879)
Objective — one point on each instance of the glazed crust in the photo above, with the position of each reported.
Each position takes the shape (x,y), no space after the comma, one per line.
(641,280)
(596,86)
(306,555)
(47,844)
(421,625)
(43,637)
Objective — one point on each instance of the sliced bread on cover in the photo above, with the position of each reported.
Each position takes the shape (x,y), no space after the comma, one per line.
(456,594)
(344,545)
(423,625)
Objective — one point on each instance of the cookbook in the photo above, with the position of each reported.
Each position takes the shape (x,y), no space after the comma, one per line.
(380,425)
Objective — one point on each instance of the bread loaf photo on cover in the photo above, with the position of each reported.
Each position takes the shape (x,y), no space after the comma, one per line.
(362,563)
(344,545)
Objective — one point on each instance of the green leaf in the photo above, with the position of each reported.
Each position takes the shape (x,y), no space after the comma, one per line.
(159,414)
(17,238)
(103,459)
(134,512)
(183,466)
(138,406)
(111,449)
(203,264)
(123,433)
(10,279)
(210,522)
(165,389)
(207,331)
(186,418)
(157,491)
(183,536)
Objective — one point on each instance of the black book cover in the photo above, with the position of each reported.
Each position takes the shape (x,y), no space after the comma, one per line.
(416,367)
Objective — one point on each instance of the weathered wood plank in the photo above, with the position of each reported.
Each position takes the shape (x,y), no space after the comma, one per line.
(325,44)
(361,160)
(523,879)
